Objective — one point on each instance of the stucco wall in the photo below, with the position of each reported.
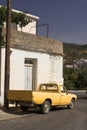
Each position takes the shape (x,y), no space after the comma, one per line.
(30,28)
(45,65)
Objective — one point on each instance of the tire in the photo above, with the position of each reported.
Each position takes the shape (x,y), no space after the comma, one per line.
(24,108)
(45,108)
(71,105)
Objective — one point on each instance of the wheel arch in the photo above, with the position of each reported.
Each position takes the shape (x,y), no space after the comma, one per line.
(48,99)
(73,99)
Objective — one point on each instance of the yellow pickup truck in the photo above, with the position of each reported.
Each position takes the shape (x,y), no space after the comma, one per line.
(48,95)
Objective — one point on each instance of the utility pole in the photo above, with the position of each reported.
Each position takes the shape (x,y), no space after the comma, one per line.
(0,55)
(7,53)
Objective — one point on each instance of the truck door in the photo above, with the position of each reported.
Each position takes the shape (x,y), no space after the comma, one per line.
(64,97)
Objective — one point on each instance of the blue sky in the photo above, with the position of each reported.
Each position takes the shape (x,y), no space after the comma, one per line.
(67,19)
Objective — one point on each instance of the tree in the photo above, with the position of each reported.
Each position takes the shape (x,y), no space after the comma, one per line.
(23,20)
(17,18)
(70,78)
(2,15)
(75,78)
(20,18)
(82,78)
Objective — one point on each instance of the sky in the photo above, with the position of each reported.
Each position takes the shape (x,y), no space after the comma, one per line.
(67,19)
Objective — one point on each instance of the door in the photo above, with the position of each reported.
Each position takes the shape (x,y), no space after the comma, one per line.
(28,76)
(64,97)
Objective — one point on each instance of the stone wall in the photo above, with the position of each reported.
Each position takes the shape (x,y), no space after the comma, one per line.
(32,42)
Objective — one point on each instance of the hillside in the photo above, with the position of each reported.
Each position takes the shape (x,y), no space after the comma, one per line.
(74,51)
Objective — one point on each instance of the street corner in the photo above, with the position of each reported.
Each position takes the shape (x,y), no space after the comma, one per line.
(10,113)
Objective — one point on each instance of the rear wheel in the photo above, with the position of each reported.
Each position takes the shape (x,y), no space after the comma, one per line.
(24,108)
(45,108)
(71,105)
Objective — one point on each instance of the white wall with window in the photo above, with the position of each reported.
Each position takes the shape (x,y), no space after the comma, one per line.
(30,28)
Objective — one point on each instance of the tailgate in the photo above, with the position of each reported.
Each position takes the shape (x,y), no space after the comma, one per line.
(19,95)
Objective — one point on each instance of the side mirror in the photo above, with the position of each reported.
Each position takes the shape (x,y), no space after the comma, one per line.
(65,90)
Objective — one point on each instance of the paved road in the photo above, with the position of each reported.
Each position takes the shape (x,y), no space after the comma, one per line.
(59,119)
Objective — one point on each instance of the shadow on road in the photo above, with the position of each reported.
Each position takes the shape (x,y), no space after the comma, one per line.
(18,111)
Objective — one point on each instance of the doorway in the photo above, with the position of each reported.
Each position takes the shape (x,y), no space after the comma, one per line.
(30,74)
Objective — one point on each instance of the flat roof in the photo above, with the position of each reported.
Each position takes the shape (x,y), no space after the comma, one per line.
(27,14)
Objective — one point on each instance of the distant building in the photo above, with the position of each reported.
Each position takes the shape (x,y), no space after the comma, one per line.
(76,63)
(69,66)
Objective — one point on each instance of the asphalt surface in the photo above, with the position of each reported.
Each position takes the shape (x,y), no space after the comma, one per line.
(57,119)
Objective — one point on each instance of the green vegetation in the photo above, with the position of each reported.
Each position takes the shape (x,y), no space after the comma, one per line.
(2,15)
(17,18)
(20,18)
(74,51)
(76,77)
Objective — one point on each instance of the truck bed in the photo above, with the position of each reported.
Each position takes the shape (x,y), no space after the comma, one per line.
(19,95)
